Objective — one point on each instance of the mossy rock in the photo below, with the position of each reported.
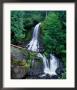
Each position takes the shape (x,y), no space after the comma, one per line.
(19,69)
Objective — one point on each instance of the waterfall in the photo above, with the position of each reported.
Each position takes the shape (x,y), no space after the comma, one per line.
(49,67)
(53,64)
(34,44)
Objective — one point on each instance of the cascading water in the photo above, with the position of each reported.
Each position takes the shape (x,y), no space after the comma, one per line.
(49,67)
(53,64)
(34,44)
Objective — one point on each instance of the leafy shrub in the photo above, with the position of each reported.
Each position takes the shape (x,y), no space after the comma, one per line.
(17,28)
(54,37)
(22,23)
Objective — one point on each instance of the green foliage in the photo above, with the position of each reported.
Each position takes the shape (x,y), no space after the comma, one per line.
(63,76)
(53,32)
(32,55)
(22,23)
(54,36)
(17,27)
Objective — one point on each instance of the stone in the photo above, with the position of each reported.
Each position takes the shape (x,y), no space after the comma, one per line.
(17,72)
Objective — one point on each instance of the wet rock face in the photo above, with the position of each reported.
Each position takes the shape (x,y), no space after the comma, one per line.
(36,69)
(60,69)
(47,76)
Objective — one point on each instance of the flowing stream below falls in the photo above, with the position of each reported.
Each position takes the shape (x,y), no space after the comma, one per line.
(49,65)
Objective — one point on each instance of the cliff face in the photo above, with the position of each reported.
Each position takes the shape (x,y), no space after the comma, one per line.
(19,66)
(24,63)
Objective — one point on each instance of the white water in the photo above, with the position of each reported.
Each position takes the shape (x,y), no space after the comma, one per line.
(34,44)
(49,67)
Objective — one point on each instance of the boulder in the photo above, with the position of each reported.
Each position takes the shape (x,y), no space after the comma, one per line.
(19,65)
(17,72)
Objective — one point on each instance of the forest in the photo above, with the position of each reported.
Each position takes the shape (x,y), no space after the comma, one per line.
(52,39)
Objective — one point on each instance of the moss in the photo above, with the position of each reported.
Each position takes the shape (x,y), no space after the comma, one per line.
(32,55)
(22,63)
(25,52)
(29,54)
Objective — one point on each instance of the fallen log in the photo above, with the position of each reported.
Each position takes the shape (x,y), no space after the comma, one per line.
(17,46)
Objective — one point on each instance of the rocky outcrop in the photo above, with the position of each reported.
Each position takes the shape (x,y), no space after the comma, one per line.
(25,64)
(19,65)
(36,69)
(18,53)
(17,72)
